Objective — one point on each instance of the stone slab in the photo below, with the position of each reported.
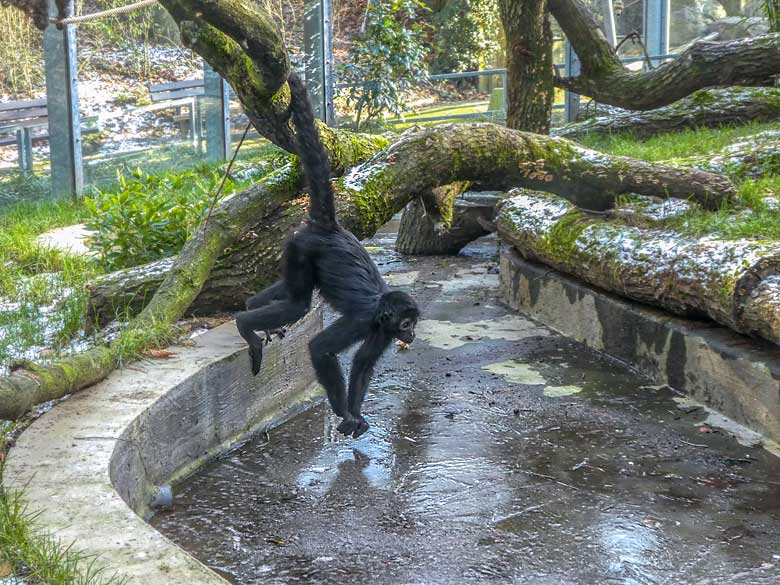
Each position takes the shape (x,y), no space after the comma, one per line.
(733,374)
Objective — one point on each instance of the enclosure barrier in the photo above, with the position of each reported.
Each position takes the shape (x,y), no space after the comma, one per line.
(65,125)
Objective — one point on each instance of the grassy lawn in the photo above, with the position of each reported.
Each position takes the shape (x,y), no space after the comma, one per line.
(755,213)
(42,296)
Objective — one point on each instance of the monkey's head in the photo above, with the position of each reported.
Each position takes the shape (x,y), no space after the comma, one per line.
(397,315)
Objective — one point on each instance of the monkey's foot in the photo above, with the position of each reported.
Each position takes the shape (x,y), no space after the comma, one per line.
(256,354)
(353,426)
(280,333)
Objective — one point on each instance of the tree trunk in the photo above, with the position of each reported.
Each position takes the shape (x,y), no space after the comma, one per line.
(750,62)
(530,70)
(735,283)
(472,218)
(707,108)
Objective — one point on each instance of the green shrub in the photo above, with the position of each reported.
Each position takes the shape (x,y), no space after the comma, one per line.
(386,60)
(467,33)
(150,216)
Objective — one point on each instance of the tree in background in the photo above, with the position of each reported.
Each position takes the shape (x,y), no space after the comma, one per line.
(386,59)
(466,34)
(529,61)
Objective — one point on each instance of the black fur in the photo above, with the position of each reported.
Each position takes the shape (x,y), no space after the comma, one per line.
(323,255)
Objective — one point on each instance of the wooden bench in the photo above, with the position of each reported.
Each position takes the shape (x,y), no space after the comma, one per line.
(22,118)
(179,95)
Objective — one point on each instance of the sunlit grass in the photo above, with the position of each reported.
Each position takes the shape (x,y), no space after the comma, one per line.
(751,215)
(677,144)
(34,556)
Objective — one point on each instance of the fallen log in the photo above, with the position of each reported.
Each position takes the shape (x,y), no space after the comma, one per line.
(472,218)
(416,167)
(748,62)
(707,108)
(733,282)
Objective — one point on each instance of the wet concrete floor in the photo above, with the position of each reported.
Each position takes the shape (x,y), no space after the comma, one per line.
(499,452)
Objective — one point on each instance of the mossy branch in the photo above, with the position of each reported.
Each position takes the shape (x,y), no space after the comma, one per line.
(733,282)
(749,62)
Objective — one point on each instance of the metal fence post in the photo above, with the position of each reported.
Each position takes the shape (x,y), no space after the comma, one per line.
(571,69)
(656,27)
(610,29)
(318,48)
(216,106)
(504,90)
(59,52)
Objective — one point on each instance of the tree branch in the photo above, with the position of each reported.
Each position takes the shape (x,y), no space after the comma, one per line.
(748,62)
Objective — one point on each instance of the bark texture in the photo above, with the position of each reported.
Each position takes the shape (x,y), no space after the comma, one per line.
(707,108)
(735,283)
(748,62)
(529,40)
(472,218)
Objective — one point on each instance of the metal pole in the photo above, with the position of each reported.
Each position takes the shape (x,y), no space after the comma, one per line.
(217,113)
(318,48)
(571,69)
(59,52)
(656,27)
(610,29)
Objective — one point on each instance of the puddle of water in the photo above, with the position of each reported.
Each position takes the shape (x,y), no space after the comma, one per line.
(449,335)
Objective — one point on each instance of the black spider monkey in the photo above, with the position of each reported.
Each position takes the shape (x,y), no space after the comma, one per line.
(323,255)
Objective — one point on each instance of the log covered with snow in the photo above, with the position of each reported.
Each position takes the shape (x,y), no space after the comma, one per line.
(733,282)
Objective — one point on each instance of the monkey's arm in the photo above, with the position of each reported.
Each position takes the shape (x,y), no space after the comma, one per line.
(359,378)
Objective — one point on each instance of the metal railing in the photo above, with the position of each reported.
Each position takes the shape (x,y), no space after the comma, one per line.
(484,73)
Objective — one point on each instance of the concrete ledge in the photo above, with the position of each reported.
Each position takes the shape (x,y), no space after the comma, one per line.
(736,375)
(92,465)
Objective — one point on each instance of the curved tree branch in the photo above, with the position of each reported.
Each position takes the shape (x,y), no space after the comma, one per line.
(749,62)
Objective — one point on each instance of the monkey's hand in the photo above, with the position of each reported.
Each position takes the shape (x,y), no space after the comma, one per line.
(280,333)
(354,426)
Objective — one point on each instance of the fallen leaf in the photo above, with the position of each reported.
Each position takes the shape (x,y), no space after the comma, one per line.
(5,570)
(158,354)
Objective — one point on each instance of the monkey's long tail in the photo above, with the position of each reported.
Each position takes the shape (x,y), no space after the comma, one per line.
(314,159)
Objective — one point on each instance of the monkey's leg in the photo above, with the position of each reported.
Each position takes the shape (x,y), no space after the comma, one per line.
(324,350)
(359,378)
(276,292)
(271,316)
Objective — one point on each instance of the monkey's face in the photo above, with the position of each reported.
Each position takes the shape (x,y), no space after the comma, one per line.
(406,329)
(398,315)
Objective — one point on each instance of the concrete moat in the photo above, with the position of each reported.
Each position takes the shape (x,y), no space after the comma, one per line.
(499,452)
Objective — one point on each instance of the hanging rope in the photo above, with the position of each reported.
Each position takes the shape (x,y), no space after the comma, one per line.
(98,15)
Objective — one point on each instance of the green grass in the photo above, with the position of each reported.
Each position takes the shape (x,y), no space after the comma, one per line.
(37,557)
(749,216)
(42,295)
(675,145)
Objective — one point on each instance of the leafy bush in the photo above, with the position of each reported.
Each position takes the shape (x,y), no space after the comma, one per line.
(386,59)
(150,216)
(467,33)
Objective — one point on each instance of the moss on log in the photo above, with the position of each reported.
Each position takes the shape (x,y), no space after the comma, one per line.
(707,108)
(496,158)
(733,282)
